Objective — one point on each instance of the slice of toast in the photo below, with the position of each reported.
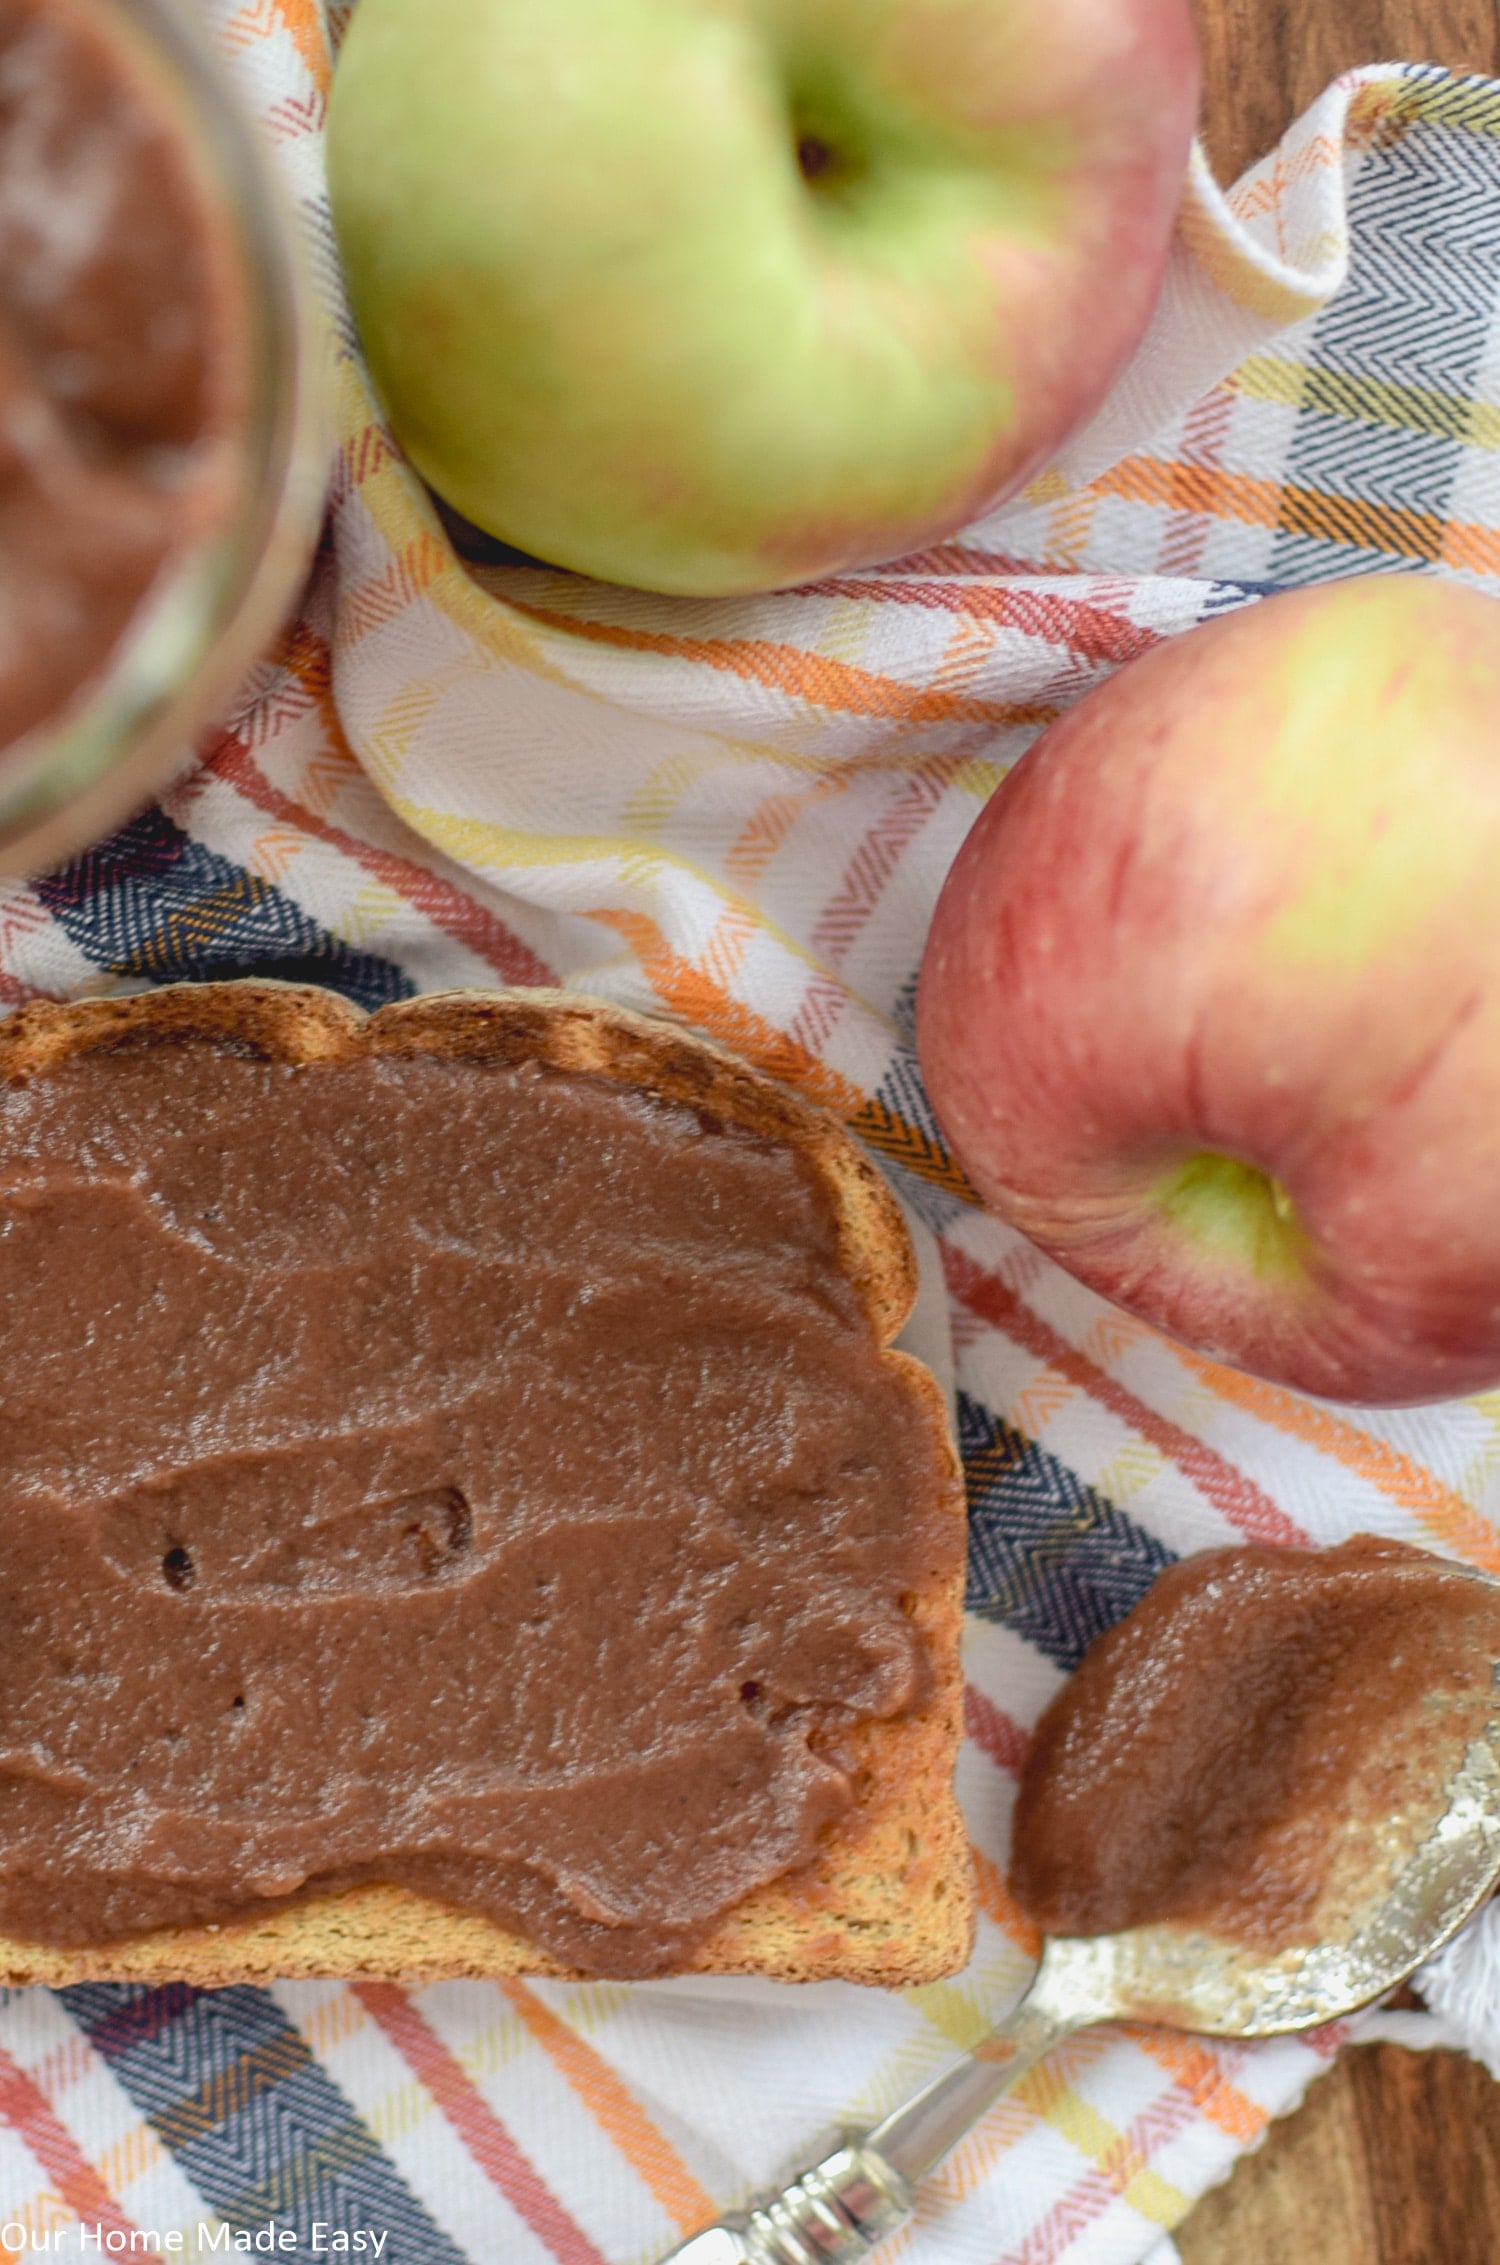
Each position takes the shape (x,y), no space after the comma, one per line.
(889,1899)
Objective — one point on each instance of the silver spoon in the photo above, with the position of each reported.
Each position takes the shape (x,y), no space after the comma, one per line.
(839,2210)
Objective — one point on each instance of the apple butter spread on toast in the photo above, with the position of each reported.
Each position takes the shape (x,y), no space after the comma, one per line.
(459,1510)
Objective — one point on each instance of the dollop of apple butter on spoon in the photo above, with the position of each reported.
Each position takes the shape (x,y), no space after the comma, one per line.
(1263,1800)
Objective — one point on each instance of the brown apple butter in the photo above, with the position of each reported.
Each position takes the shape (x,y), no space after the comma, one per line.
(121,346)
(1256,1748)
(474,1476)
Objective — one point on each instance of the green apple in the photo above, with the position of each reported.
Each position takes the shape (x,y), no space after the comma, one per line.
(1210,1008)
(721,295)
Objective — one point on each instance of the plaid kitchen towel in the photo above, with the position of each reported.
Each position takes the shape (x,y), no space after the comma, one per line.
(740,813)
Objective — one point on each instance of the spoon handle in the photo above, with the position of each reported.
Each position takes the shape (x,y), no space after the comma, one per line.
(839,2210)
(915,2137)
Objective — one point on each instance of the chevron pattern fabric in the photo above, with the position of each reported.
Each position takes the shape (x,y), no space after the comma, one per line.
(228,2085)
(1050,1557)
(155,906)
(740,814)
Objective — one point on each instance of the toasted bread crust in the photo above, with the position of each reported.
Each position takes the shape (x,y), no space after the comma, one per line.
(890,1899)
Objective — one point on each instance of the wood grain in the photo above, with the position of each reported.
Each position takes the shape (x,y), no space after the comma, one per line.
(1264,60)
(1394,2159)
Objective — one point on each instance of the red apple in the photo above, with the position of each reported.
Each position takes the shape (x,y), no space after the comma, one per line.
(1211,1005)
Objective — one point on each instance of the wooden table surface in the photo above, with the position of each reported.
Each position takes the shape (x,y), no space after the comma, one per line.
(1264,60)
(1394,2158)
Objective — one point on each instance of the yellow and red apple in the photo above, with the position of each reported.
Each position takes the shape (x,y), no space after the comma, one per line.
(722,295)
(1210,1008)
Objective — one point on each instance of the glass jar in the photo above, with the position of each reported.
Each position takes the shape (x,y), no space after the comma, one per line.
(217,601)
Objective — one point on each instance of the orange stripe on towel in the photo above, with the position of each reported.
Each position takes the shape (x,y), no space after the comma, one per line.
(836,685)
(617,2112)
(453,2091)
(1445,1514)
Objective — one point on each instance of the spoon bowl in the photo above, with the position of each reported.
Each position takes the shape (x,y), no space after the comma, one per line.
(1174,1977)
(1180,1978)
